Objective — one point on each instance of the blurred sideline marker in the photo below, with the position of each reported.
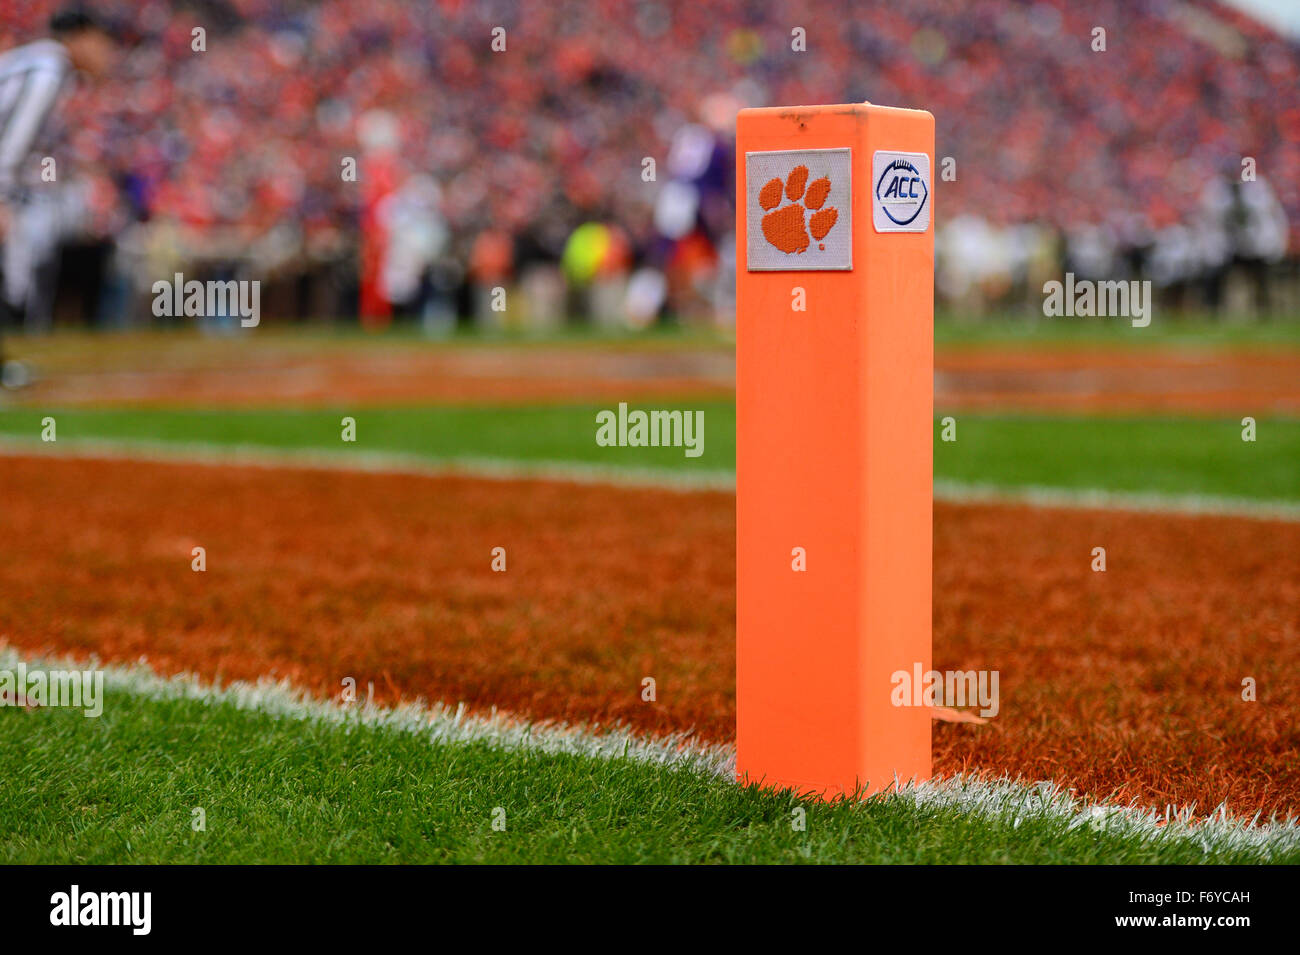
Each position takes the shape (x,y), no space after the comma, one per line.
(834,444)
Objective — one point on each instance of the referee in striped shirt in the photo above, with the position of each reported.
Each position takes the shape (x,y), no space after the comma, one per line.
(32,77)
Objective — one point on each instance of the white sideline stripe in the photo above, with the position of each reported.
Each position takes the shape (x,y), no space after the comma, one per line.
(512,469)
(375,462)
(959,492)
(440,722)
(1007,801)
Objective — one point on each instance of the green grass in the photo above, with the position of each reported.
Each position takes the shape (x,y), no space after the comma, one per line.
(1032,329)
(122,788)
(1166,455)
(1170,455)
(524,433)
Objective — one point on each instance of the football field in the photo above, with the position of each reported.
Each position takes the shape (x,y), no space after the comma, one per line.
(430,600)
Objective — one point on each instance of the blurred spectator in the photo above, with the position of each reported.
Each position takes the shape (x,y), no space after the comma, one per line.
(239,147)
(1250,229)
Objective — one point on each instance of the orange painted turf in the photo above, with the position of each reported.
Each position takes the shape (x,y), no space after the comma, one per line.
(1126,683)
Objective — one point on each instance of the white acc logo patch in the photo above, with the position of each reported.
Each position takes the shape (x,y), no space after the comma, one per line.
(900,191)
(799,210)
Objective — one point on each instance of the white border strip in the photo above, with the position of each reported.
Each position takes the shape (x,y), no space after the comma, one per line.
(439,722)
(375,462)
(513,469)
(1030,495)
(1006,801)
(1011,801)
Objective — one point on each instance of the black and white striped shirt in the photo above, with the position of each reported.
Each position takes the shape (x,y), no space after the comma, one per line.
(31,78)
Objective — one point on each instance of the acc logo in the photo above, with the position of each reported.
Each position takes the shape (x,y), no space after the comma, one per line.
(799,210)
(900,200)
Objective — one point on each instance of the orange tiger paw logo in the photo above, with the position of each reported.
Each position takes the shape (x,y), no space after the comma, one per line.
(785,228)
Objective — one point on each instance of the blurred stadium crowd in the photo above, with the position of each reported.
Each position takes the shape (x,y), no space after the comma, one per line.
(525,169)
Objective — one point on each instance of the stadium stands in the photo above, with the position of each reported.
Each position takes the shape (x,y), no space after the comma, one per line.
(236,150)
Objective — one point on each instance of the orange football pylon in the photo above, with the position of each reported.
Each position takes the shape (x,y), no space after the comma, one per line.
(834,408)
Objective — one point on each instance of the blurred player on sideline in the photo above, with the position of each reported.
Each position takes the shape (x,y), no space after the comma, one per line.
(32,77)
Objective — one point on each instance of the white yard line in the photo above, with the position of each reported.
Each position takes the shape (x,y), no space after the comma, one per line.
(377,462)
(513,469)
(440,722)
(960,492)
(1004,801)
